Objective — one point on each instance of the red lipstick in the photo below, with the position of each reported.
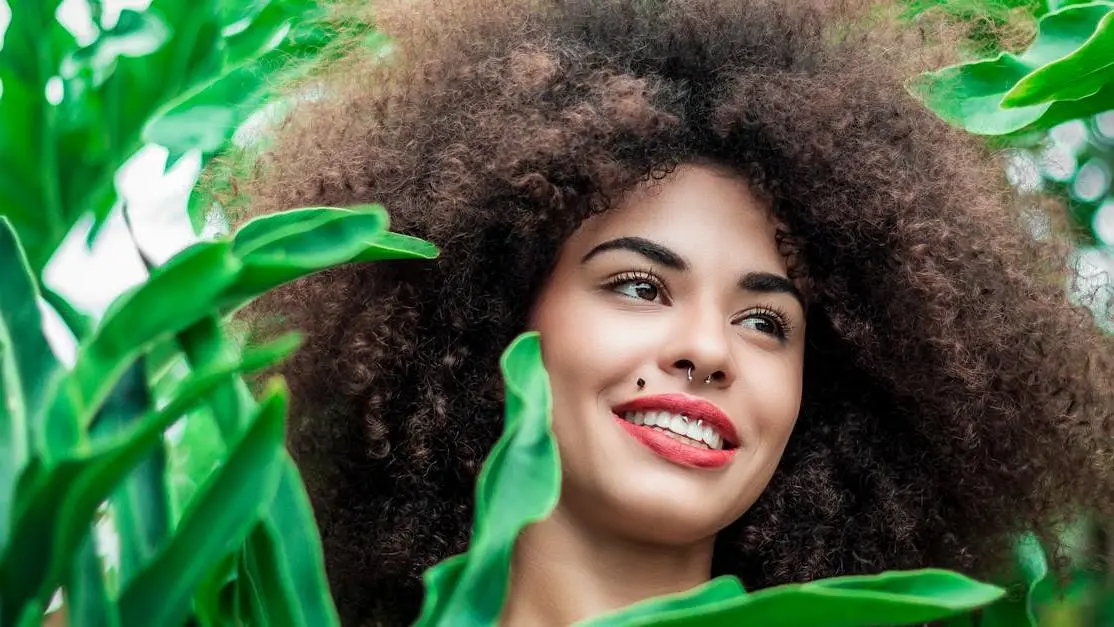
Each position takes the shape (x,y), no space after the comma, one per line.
(671,449)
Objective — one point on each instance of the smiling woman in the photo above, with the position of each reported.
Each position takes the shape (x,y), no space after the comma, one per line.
(792,326)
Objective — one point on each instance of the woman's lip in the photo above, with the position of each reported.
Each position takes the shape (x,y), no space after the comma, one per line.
(674,451)
(691,406)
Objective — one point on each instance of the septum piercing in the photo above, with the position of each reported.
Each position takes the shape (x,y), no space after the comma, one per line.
(707,380)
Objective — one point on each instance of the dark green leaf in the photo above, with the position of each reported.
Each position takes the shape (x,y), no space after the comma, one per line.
(29,371)
(87,602)
(229,506)
(57,503)
(286,561)
(141,508)
(519,485)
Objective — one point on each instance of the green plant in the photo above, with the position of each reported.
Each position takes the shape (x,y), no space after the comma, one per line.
(241,547)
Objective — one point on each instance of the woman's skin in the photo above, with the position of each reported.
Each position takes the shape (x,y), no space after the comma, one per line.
(684,273)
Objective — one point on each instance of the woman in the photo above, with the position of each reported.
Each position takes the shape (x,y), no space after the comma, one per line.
(793,327)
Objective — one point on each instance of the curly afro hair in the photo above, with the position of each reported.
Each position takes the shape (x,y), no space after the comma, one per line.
(954,395)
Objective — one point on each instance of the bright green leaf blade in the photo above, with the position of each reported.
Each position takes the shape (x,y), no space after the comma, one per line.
(174,297)
(972,96)
(286,246)
(29,368)
(712,593)
(61,502)
(519,485)
(892,598)
(229,506)
(289,549)
(1080,71)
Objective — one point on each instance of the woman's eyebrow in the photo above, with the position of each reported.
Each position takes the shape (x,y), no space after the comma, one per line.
(770,283)
(651,250)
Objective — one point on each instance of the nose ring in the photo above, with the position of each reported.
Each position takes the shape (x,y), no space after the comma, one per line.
(707,380)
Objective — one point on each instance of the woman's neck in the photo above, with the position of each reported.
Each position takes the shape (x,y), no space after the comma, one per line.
(562,572)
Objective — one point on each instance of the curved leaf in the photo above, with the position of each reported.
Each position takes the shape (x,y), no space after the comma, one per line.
(219,522)
(28,368)
(891,598)
(1067,63)
(282,247)
(519,485)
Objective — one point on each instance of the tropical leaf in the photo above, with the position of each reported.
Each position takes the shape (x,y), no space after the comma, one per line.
(1065,74)
(519,485)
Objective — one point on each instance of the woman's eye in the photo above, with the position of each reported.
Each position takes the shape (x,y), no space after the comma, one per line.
(764,324)
(643,290)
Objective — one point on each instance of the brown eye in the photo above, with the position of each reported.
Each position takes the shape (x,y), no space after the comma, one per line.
(643,290)
(766,321)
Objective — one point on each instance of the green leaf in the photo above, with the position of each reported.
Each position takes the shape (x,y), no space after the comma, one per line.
(710,594)
(218,523)
(28,367)
(87,602)
(285,558)
(56,504)
(1038,585)
(1079,73)
(174,297)
(891,598)
(519,485)
(141,508)
(281,247)
(973,95)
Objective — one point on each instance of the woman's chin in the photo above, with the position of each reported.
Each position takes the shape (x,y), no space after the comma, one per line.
(656,510)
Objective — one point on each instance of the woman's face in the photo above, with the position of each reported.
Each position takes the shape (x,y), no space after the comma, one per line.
(684,275)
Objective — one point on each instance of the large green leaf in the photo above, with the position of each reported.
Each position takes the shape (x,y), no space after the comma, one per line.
(174,297)
(286,561)
(28,367)
(710,594)
(892,598)
(281,247)
(55,504)
(1013,93)
(220,520)
(519,485)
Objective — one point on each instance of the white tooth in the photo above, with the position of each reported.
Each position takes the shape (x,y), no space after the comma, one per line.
(707,435)
(644,419)
(678,425)
(717,442)
(695,431)
(639,418)
(664,419)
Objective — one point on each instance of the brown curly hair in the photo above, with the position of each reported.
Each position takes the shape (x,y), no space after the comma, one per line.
(954,396)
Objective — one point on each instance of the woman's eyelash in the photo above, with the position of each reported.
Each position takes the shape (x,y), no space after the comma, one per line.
(778,317)
(635,276)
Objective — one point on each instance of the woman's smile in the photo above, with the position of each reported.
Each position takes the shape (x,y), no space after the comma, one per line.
(683,429)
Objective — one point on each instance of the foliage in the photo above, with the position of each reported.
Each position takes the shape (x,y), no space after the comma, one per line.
(240,546)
